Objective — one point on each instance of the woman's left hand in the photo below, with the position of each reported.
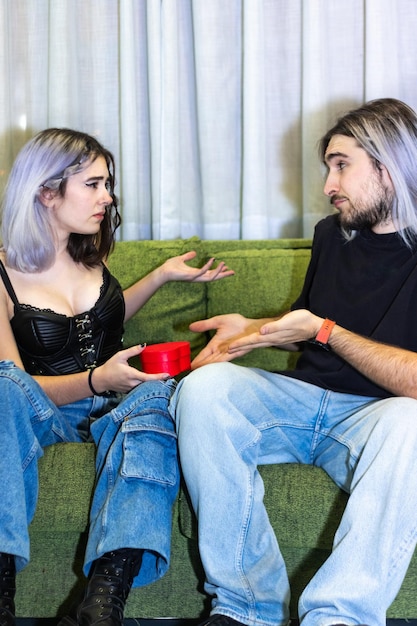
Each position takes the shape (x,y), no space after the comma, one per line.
(176,268)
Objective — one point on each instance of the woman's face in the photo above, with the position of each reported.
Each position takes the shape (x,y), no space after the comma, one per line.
(83,206)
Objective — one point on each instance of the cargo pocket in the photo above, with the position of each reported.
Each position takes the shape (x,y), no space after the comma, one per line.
(150,448)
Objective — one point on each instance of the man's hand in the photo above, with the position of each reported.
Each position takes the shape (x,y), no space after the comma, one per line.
(229,328)
(285,332)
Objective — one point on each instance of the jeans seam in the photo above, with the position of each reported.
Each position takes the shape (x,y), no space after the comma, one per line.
(242,540)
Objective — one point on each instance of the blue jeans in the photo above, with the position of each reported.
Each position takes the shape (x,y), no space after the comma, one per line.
(137,467)
(231,419)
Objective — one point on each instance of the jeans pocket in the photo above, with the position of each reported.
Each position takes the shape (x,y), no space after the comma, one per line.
(150,448)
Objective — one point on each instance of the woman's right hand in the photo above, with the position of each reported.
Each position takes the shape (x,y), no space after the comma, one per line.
(117,375)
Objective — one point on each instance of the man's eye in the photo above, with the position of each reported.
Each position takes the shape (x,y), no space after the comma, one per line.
(341,165)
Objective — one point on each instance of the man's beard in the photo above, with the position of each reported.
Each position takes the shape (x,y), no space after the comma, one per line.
(367,218)
(363,216)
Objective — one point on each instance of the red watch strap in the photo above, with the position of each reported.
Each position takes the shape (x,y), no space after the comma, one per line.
(323,335)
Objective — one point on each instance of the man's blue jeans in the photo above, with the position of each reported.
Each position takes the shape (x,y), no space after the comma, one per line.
(137,468)
(231,419)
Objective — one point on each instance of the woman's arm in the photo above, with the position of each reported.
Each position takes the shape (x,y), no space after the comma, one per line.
(174,269)
(8,347)
(115,374)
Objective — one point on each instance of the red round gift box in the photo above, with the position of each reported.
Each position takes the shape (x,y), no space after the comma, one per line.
(171,357)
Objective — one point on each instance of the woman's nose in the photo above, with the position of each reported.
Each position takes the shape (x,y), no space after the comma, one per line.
(107,198)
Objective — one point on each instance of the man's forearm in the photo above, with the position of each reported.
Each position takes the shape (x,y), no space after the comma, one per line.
(392,368)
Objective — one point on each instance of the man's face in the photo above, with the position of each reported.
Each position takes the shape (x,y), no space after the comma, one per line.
(358,188)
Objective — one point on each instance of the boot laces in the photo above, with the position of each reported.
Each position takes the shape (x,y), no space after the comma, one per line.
(109,585)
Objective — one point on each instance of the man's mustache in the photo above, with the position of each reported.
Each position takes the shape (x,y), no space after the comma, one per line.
(334,198)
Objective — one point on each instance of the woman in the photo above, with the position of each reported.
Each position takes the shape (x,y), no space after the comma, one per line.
(64,376)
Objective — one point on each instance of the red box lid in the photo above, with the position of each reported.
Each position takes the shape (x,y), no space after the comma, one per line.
(171,357)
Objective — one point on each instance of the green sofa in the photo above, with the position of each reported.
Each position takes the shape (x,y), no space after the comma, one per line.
(304,505)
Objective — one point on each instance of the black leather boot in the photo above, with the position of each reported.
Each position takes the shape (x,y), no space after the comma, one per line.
(109,583)
(7,589)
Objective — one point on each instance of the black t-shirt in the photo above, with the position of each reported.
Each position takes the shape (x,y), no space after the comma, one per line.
(367,285)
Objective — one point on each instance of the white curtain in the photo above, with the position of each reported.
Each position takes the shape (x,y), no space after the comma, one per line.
(212,108)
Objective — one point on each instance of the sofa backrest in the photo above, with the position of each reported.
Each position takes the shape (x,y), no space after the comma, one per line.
(268,277)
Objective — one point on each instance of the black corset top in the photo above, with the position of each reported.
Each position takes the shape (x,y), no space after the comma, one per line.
(52,343)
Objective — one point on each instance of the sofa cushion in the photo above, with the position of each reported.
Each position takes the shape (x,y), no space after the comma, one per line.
(219,246)
(67,476)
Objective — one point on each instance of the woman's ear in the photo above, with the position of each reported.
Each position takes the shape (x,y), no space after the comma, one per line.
(47,196)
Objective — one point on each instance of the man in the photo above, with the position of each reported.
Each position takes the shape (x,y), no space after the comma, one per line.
(348,407)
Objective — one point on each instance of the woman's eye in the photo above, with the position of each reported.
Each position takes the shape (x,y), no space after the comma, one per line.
(109,187)
(93,185)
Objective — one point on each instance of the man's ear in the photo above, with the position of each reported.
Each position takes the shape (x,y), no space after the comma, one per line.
(384,173)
